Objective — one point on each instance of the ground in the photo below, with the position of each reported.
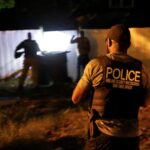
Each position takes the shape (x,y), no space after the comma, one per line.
(46,119)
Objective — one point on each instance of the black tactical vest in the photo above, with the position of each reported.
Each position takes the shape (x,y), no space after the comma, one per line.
(121,93)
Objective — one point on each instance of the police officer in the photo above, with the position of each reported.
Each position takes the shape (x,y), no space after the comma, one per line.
(31,48)
(120,83)
(83,45)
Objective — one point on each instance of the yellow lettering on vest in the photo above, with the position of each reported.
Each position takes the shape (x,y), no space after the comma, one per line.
(137,76)
(122,78)
(116,73)
(109,71)
(127,75)
(123,75)
(132,72)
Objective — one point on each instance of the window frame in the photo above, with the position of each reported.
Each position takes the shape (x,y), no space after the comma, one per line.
(121,4)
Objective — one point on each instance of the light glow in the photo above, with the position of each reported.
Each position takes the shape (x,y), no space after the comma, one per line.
(55,41)
(140,43)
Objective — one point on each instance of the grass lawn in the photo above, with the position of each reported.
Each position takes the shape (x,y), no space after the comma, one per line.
(46,119)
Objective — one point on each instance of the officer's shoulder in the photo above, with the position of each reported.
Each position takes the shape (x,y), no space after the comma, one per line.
(24,41)
(135,59)
(97,60)
(33,41)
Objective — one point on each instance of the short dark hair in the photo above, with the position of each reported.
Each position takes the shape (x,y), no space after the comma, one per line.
(119,33)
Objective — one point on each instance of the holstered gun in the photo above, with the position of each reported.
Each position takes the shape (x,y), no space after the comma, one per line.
(93,130)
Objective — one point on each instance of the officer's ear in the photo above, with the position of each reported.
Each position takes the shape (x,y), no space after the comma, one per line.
(109,42)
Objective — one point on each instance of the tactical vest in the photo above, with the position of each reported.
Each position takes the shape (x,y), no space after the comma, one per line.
(121,93)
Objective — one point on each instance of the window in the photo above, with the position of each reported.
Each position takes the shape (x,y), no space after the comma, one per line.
(121,3)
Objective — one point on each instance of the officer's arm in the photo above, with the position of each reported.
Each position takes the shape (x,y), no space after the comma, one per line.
(79,93)
(36,45)
(147,101)
(147,98)
(87,81)
(146,84)
(17,54)
(73,39)
(19,46)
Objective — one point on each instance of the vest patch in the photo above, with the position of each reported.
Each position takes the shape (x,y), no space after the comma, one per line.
(123,78)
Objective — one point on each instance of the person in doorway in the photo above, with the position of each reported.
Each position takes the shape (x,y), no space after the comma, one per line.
(30,60)
(83,45)
(120,87)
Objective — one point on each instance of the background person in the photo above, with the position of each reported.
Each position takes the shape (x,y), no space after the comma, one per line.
(120,88)
(30,60)
(83,45)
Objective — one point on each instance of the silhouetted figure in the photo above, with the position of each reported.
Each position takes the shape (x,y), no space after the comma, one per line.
(121,87)
(30,60)
(84,49)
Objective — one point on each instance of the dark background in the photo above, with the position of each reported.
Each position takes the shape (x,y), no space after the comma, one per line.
(70,14)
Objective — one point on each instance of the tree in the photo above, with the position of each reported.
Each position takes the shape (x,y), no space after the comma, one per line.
(5,4)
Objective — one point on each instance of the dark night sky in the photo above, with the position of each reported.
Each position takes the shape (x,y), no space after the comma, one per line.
(68,14)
